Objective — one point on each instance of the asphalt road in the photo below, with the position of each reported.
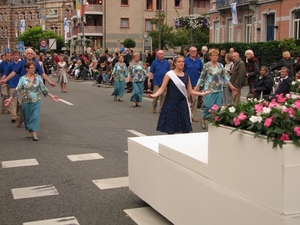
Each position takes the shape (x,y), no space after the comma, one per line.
(95,123)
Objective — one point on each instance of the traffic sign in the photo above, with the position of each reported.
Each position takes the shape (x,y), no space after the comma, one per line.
(43,43)
(21,48)
(6,50)
(20,43)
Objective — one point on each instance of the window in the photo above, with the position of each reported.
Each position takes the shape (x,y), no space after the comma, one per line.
(16,16)
(230,29)
(29,16)
(5,17)
(124,2)
(202,4)
(296,25)
(148,25)
(178,3)
(22,16)
(124,22)
(270,27)
(216,31)
(159,4)
(6,32)
(149,4)
(37,15)
(248,33)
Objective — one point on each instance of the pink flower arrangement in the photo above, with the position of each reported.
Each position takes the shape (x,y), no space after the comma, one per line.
(278,120)
(236,121)
(297,131)
(284,137)
(268,122)
(215,107)
(242,116)
(281,98)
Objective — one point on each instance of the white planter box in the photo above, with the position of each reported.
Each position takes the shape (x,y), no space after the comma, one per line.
(216,178)
(250,167)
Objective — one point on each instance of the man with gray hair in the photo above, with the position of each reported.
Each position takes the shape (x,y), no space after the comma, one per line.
(238,77)
(158,69)
(193,67)
(205,57)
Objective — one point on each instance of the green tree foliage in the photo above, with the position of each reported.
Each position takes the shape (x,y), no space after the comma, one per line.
(171,37)
(129,43)
(167,37)
(289,44)
(32,37)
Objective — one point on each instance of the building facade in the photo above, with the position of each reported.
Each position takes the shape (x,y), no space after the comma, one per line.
(258,20)
(12,12)
(109,22)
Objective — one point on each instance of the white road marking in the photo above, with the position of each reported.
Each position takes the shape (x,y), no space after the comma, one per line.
(32,192)
(137,133)
(58,221)
(19,163)
(110,183)
(66,102)
(146,216)
(84,157)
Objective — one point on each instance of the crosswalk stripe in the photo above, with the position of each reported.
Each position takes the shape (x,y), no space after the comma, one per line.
(66,102)
(58,221)
(146,216)
(19,163)
(110,183)
(32,192)
(84,157)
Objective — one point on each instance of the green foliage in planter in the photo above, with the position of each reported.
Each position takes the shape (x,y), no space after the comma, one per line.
(129,43)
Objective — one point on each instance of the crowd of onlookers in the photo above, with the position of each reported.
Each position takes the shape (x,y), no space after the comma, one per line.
(221,74)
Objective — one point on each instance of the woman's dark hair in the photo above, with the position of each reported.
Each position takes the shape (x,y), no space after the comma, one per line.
(28,64)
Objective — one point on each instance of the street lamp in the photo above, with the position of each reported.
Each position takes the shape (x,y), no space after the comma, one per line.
(159,24)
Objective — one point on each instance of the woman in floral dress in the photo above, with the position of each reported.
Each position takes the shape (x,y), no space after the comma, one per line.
(136,74)
(213,77)
(31,84)
(119,74)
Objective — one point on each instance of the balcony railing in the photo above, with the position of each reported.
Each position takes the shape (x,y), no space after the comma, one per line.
(91,30)
(93,8)
(227,3)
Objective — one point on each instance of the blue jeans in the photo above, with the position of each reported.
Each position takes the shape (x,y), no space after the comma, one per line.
(105,78)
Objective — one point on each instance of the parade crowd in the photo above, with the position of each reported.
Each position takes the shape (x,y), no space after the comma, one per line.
(211,76)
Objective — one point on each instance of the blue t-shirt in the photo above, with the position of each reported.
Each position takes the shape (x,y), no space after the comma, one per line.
(13,82)
(159,69)
(20,69)
(3,66)
(193,68)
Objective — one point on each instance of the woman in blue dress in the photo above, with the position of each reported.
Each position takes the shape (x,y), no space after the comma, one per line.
(119,74)
(136,74)
(31,84)
(175,115)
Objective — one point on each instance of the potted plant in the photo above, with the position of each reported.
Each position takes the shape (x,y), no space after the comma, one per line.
(278,120)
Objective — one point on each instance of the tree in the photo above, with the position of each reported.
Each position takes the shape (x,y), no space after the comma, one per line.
(129,43)
(167,34)
(34,35)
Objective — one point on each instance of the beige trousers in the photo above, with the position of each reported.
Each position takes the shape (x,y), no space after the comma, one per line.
(236,98)
(13,105)
(4,93)
(194,101)
(161,98)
